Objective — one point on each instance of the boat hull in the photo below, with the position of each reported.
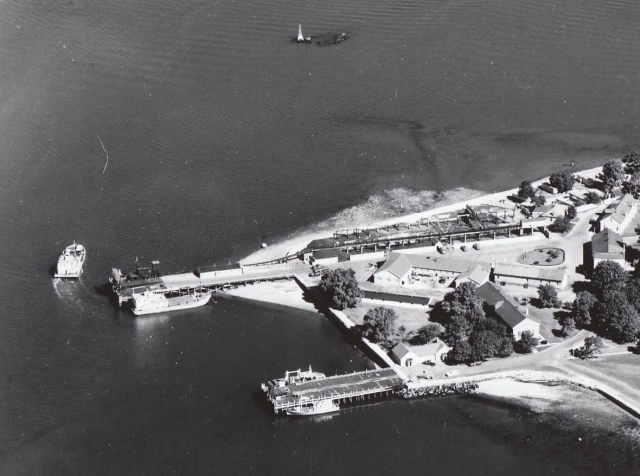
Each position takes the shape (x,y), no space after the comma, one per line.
(329,407)
(179,303)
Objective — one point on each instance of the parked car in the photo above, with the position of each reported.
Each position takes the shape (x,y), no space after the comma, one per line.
(476,246)
(452,373)
(464,248)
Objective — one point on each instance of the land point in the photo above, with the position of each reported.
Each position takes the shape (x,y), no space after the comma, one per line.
(504,246)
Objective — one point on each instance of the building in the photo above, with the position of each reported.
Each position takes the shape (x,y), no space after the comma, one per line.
(507,311)
(221,270)
(527,276)
(551,211)
(399,267)
(607,246)
(619,215)
(395,270)
(408,355)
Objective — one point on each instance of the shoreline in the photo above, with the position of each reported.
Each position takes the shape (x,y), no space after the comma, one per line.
(295,244)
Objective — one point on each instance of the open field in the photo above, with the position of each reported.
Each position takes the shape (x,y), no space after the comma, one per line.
(624,368)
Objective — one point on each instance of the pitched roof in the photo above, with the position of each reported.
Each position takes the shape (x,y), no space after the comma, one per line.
(477,274)
(607,245)
(439,263)
(397,264)
(402,349)
(529,272)
(502,305)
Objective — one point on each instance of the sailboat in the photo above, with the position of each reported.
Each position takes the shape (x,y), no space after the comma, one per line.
(301,38)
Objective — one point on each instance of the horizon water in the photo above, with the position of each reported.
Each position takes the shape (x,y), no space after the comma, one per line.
(190,132)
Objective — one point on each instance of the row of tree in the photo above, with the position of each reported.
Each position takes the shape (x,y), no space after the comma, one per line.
(610,308)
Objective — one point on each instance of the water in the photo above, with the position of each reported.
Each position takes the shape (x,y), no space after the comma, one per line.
(222,133)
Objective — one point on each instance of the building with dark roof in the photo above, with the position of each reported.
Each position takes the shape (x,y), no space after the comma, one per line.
(526,276)
(507,311)
(619,215)
(607,246)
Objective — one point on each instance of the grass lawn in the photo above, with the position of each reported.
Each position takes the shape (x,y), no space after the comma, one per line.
(542,257)
(547,321)
(625,368)
(411,317)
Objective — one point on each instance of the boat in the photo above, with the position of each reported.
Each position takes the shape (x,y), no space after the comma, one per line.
(314,408)
(301,38)
(70,261)
(149,302)
(292,377)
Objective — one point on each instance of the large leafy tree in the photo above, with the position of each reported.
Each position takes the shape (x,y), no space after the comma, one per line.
(460,352)
(581,309)
(612,172)
(560,225)
(426,333)
(608,275)
(463,301)
(563,181)
(632,162)
(548,296)
(526,190)
(616,319)
(592,197)
(340,288)
(379,324)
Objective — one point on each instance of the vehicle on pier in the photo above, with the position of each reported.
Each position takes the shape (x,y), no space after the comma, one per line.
(70,261)
(314,408)
(149,302)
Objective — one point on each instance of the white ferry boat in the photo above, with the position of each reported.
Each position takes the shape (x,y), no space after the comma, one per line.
(314,408)
(70,261)
(149,302)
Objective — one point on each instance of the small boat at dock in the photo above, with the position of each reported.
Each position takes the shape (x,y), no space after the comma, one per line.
(314,408)
(291,377)
(70,261)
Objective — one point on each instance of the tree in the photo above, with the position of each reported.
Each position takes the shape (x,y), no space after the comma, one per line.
(632,290)
(526,191)
(612,172)
(458,328)
(591,347)
(560,225)
(460,352)
(616,319)
(632,162)
(426,333)
(340,288)
(486,344)
(572,212)
(568,326)
(592,197)
(463,302)
(526,343)
(563,181)
(608,275)
(379,324)
(539,200)
(548,296)
(581,309)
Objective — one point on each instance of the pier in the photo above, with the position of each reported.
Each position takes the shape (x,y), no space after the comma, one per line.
(211,279)
(339,388)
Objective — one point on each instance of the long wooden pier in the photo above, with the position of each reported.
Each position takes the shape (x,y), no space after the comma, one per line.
(339,388)
(185,283)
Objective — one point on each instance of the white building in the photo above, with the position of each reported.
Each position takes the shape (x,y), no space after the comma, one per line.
(526,276)
(408,355)
(619,215)
(607,246)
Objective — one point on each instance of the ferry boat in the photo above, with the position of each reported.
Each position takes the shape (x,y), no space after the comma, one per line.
(314,408)
(70,261)
(150,303)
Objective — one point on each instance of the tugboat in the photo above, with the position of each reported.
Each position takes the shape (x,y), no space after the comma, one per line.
(314,408)
(301,38)
(70,261)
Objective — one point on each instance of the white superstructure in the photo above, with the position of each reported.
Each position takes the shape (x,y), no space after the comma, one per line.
(149,302)
(70,261)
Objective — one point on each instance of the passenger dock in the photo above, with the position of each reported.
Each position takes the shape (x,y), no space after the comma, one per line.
(211,278)
(339,388)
